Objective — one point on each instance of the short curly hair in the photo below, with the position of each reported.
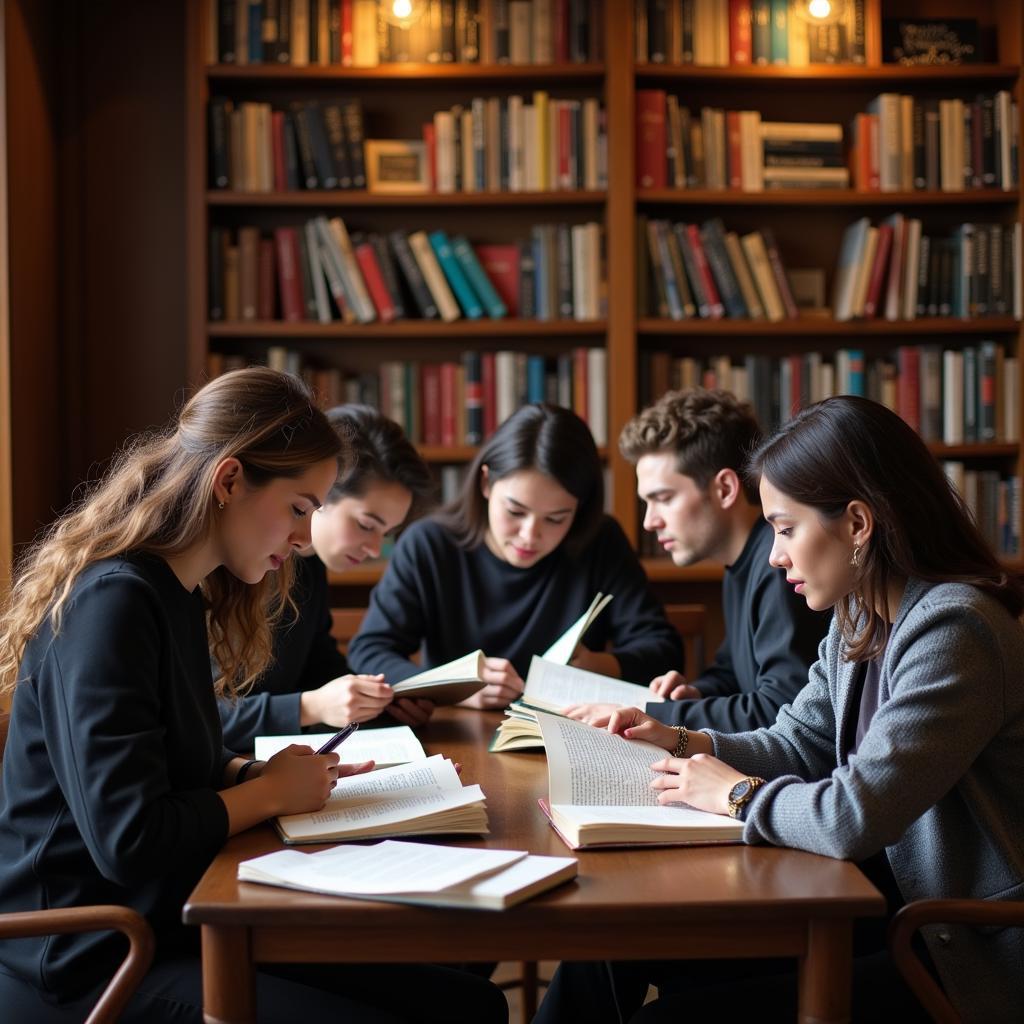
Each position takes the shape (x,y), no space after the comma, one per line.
(708,430)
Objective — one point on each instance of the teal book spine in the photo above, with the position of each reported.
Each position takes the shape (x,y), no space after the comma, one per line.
(780,31)
(496,309)
(456,278)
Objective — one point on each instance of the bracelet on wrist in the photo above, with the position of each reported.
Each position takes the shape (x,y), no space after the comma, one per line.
(243,771)
(682,741)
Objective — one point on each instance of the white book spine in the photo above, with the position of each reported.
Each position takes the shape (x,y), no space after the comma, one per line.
(444,142)
(323,306)
(597,394)
(953,397)
(516,134)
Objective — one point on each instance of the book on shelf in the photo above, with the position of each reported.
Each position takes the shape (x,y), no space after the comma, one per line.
(445,684)
(552,686)
(599,793)
(423,874)
(386,747)
(422,798)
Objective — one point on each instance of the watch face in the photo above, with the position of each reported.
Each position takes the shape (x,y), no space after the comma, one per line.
(740,790)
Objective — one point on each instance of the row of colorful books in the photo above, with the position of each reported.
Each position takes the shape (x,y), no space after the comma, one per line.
(995,502)
(455,402)
(902,143)
(950,396)
(365,33)
(320,272)
(504,144)
(734,149)
(709,272)
(744,32)
(314,144)
(894,271)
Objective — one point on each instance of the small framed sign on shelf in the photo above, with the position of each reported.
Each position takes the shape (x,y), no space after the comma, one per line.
(930,41)
(398,166)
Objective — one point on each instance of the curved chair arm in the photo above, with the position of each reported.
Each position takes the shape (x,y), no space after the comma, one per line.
(916,915)
(131,924)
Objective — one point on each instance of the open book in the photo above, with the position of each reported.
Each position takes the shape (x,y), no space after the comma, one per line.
(445,876)
(563,649)
(551,687)
(409,799)
(391,746)
(448,683)
(599,792)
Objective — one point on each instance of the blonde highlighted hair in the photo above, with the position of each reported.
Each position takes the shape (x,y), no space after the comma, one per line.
(157,497)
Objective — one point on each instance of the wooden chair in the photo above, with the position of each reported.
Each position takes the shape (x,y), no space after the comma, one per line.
(345,623)
(71,920)
(916,915)
(690,622)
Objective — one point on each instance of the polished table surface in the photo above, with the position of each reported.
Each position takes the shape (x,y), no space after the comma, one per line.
(701,901)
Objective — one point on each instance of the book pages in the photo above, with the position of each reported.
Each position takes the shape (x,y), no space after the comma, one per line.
(387,747)
(563,649)
(551,686)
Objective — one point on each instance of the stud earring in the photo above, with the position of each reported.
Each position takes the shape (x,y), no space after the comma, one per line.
(220,505)
(855,557)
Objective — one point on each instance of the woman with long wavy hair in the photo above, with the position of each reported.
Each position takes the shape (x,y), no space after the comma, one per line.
(116,785)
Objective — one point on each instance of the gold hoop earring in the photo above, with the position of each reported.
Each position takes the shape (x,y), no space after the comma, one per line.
(855,557)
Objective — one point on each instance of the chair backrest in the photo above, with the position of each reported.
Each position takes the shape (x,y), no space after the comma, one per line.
(345,623)
(690,622)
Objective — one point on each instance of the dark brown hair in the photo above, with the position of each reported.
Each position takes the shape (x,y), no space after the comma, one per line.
(550,439)
(380,453)
(707,430)
(851,449)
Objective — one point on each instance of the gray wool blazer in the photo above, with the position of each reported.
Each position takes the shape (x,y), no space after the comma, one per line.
(937,781)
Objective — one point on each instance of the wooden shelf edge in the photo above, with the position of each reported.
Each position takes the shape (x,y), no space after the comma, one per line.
(828,328)
(827,74)
(664,570)
(823,197)
(405,72)
(466,453)
(980,450)
(360,197)
(431,330)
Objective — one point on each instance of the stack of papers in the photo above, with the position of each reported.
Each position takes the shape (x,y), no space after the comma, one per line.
(387,747)
(414,873)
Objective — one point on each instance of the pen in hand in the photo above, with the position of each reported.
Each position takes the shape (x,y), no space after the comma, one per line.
(339,737)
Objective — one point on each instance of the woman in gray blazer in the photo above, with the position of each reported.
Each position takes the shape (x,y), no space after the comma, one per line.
(905,752)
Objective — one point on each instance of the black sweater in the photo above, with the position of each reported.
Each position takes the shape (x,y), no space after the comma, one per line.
(450,601)
(112,767)
(305,657)
(771,640)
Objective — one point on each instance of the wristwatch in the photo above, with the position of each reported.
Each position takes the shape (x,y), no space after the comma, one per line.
(740,794)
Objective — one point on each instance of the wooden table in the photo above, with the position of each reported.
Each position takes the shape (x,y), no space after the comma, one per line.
(700,902)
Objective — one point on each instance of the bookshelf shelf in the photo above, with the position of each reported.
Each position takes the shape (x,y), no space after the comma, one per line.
(973,451)
(422,330)
(409,73)
(827,75)
(464,453)
(825,327)
(340,198)
(822,197)
(663,570)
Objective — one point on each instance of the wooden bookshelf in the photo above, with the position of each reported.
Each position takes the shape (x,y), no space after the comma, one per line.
(816,93)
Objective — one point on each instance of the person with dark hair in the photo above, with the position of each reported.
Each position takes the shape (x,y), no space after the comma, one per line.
(904,751)
(308,681)
(689,449)
(512,563)
(116,787)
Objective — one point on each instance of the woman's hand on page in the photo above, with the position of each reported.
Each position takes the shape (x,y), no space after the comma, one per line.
(601,662)
(410,711)
(296,780)
(634,724)
(503,686)
(345,699)
(673,686)
(701,781)
(597,715)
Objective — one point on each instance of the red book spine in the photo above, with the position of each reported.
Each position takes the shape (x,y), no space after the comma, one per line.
(366,256)
(346,32)
(277,146)
(873,141)
(908,385)
(265,286)
(735,150)
(709,380)
(715,308)
(561,16)
(490,393)
(289,284)
(579,383)
(651,162)
(430,382)
(430,142)
(878,268)
(796,379)
(741,43)
(501,265)
(449,408)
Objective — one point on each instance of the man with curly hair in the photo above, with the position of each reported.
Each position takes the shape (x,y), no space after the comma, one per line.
(689,449)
